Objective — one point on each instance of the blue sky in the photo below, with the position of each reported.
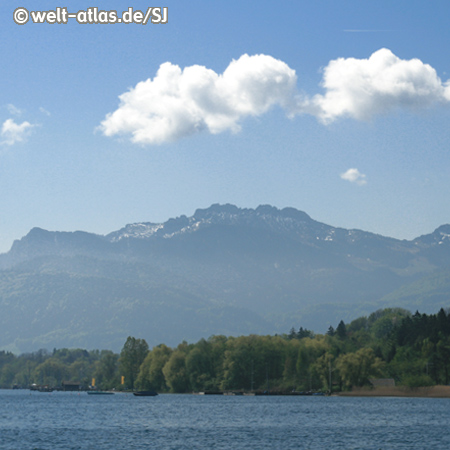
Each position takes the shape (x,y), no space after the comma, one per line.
(282,128)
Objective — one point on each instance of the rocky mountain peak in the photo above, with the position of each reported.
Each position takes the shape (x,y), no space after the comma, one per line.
(440,236)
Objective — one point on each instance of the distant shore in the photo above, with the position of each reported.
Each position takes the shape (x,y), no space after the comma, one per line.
(398,391)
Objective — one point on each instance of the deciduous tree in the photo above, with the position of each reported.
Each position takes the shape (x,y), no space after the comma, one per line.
(132,356)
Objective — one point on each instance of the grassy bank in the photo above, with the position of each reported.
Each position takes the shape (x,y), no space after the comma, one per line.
(399,391)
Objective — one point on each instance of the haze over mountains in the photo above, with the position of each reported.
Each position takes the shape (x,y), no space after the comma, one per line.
(225,270)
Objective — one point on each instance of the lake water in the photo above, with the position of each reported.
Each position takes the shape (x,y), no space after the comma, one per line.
(72,421)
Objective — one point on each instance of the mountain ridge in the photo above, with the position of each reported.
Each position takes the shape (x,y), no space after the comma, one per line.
(222,270)
(229,214)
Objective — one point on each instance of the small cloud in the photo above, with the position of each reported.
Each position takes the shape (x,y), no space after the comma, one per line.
(13,110)
(354,176)
(12,132)
(44,111)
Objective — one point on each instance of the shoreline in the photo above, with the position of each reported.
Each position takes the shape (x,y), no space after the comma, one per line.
(398,391)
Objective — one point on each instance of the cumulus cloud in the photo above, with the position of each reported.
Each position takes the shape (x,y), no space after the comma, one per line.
(354,176)
(177,103)
(180,102)
(12,132)
(362,88)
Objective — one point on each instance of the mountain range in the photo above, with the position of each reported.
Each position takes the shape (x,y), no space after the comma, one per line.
(225,270)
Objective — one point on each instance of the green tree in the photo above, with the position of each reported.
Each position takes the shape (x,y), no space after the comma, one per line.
(322,369)
(249,361)
(290,364)
(175,372)
(304,333)
(218,347)
(132,356)
(341,330)
(51,372)
(151,376)
(239,363)
(200,366)
(310,350)
(106,371)
(443,356)
(7,374)
(356,368)
(292,334)
(80,371)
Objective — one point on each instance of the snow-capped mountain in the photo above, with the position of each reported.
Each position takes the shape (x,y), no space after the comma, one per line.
(224,270)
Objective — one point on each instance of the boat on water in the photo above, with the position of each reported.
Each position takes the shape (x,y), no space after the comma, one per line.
(45,388)
(99,393)
(145,393)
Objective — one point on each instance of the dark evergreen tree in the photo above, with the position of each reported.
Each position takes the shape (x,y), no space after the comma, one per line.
(303,333)
(341,330)
(442,322)
(292,334)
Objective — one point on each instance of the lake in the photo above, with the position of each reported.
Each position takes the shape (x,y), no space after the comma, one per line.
(77,421)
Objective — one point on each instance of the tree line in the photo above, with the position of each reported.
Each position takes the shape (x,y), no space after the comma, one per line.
(414,350)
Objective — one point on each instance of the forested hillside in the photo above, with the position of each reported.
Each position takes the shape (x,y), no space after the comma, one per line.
(414,350)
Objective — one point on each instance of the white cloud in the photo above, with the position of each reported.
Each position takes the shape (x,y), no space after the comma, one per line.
(13,110)
(12,132)
(362,88)
(178,103)
(354,176)
(44,111)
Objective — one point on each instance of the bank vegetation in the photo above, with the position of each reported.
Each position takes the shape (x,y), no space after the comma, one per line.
(413,350)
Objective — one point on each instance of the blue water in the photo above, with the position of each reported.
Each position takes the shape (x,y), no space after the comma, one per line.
(43,421)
